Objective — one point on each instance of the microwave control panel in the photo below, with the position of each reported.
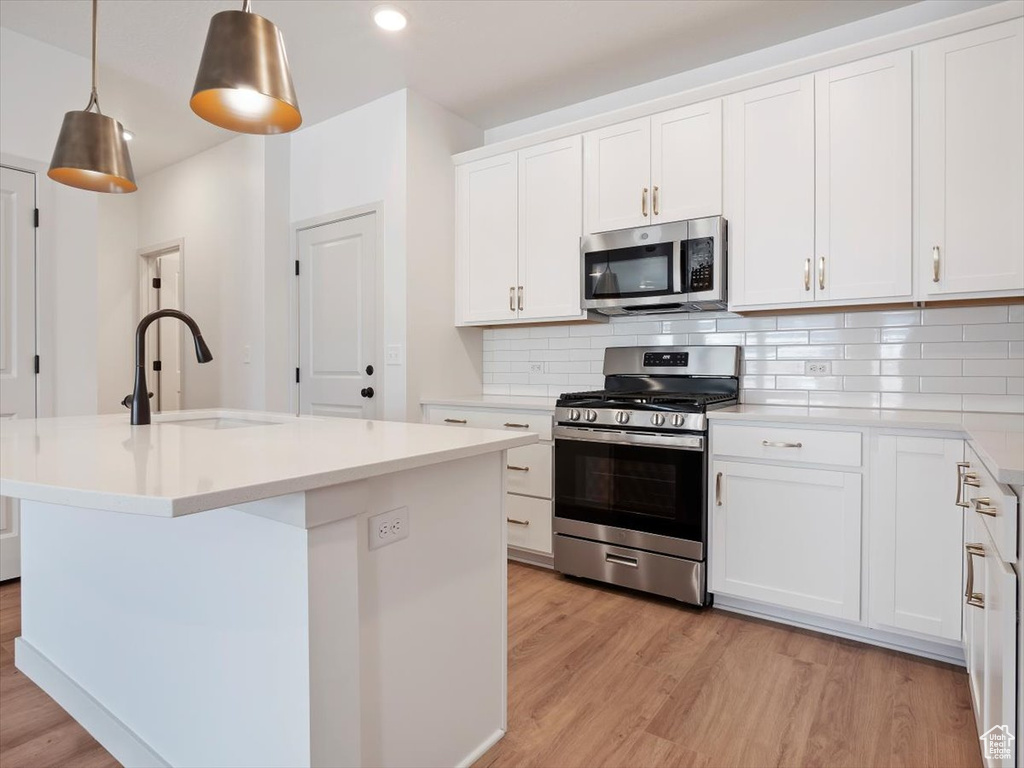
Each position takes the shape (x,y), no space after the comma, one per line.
(700,264)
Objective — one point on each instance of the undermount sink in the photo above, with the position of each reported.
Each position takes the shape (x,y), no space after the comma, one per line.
(217,422)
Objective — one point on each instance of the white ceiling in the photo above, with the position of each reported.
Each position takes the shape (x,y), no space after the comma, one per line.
(490,61)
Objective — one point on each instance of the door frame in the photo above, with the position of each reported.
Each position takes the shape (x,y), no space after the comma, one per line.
(146,258)
(380,296)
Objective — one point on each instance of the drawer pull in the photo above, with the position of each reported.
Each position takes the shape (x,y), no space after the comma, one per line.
(517,522)
(514,468)
(619,560)
(516,426)
(976,599)
(983,506)
(777,444)
(454,421)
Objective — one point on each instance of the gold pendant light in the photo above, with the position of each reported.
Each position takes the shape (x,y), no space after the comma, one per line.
(91,152)
(244,83)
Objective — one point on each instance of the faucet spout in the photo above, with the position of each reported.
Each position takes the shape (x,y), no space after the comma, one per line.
(140,396)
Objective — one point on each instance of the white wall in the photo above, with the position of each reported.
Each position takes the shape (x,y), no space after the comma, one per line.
(441,359)
(117,291)
(278,273)
(357,158)
(214,201)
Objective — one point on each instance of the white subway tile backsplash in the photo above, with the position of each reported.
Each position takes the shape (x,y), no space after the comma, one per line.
(946,358)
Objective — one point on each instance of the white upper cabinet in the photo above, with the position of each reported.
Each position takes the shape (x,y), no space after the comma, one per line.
(618,167)
(519,223)
(550,225)
(863,164)
(686,163)
(972,162)
(769,193)
(487,194)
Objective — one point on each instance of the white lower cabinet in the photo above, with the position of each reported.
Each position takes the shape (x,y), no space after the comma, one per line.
(787,536)
(529,523)
(915,536)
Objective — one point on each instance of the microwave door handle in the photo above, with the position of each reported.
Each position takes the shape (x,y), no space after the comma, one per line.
(677,268)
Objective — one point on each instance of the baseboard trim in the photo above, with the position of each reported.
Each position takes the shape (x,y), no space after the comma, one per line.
(477,753)
(101,723)
(930,649)
(531,558)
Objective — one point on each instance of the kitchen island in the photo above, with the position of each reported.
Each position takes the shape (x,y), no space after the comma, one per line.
(209,590)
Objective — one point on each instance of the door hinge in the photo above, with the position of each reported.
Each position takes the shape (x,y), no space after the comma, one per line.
(296,375)
(35,217)
(156,283)
(157,366)
(296,266)
(37,363)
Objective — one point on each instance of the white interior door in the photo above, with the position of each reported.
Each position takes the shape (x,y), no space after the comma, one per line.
(17,332)
(337,322)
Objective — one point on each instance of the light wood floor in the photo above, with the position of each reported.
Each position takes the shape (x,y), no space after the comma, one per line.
(602,677)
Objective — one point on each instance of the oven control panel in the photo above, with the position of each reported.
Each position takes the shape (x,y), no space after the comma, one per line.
(666,359)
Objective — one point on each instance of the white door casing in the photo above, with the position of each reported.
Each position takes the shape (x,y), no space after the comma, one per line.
(164,339)
(863,180)
(769,193)
(550,225)
(17,332)
(617,162)
(686,162)
(337,318)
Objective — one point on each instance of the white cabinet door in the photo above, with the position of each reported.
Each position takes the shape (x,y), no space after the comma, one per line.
(529,523)
(972,161)
(863,166)
(788,537)
(975,567)
(999,689)
(686,162)
(550,225)
(769,193)
(618,180)
(915,550)
(488,225)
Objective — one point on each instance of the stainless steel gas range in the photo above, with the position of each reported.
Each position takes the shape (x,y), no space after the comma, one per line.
(631,469)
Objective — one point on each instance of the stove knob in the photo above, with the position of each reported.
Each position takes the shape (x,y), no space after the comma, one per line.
(678,420)
(590,415)
(658,419)
(622,417)
(574,415)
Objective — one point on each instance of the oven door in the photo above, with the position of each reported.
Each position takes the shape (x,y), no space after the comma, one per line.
(649,490)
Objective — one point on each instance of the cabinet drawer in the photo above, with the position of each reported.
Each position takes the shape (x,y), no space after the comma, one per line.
(529,523)
(523,421)
(529,470)
(786,444)
(994,504)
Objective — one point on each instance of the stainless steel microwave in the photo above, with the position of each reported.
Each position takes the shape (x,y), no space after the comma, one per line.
(677,267)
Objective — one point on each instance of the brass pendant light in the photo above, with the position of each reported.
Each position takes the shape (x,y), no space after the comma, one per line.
(244,83)
(91,151)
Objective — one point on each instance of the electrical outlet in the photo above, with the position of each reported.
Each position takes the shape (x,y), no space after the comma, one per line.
(818,369)
(388,527)
(536,367)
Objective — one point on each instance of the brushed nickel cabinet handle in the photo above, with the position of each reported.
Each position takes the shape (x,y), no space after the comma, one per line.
(935,263)
(521,292)
(971,479)
(960,467)
(643,203)
(514,468)
(977,599)
(718,489)
(454,421)
(983,506)
(654,200)
(821,273)
(807,274)
(777,444)
(632,562)
(516,426)
(517,522)
(512,298)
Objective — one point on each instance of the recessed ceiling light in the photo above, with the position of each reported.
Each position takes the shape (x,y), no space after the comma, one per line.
(128,135)
(390,18)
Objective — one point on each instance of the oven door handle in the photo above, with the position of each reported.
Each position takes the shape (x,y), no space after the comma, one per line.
(671,442)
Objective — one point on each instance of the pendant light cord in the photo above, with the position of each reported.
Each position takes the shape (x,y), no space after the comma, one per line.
(94,99)
(247,6)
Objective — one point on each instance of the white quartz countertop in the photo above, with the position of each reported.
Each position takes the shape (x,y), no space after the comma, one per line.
(509,402)
(998,438)
(197,460)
